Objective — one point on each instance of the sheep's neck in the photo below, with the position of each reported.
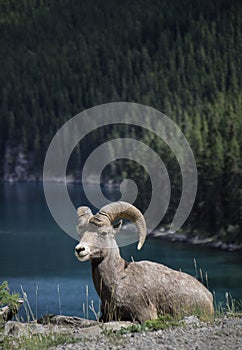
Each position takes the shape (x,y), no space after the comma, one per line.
(106,272)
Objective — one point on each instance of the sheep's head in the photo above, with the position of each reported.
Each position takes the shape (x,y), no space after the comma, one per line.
(97,232)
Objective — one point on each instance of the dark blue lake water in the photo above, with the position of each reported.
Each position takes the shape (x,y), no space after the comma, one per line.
(37,255)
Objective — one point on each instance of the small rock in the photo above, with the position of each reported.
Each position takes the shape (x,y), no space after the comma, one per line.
(116,326)
(188,320)
(18,329)
(69,321)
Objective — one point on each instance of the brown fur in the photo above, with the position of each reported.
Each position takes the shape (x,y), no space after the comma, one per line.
(138,291)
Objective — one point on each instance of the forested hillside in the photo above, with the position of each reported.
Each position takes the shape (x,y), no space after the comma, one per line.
(182,57)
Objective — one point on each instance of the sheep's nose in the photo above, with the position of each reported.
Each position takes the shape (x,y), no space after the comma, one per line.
(79,249)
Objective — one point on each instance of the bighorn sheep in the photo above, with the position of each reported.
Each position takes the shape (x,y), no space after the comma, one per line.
(135,291)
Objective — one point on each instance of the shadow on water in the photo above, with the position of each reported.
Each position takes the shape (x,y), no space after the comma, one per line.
(37,254)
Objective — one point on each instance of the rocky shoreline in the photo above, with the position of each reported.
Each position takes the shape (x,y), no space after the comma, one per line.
(223,333)
(212,242)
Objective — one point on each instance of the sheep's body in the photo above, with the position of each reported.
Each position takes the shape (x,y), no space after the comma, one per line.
(144,290)
(135,291)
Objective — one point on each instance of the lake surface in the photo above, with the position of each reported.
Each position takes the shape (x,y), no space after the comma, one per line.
(37,255)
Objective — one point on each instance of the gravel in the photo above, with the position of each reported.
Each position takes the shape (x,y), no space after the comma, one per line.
(222,334)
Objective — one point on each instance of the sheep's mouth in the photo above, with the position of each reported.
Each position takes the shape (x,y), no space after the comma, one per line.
(82,256)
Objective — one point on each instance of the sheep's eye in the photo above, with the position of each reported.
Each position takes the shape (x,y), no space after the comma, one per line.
(103,234)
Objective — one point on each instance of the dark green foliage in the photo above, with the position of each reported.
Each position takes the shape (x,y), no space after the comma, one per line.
(7,298)
(182,57)
(162,322)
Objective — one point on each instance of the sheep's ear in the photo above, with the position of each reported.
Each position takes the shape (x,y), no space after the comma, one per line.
(84,214)
(117,226)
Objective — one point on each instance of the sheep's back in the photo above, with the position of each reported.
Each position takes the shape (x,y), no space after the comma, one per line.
(170,291)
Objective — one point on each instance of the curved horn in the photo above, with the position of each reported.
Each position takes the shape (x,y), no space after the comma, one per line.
(123,210)
(84,214)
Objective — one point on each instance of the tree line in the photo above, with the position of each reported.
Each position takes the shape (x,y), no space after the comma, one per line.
(183,58)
